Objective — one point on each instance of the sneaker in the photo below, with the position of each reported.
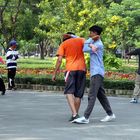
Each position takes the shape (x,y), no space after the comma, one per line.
(73,118)
(81,120)
(133,100)
(108,118)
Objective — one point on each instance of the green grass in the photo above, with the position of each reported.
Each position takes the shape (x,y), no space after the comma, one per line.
(49,63)
(35,63)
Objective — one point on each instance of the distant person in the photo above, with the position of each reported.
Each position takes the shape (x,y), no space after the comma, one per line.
(11,61)
(75,77)
(2,85)
(136,92)
(95,48)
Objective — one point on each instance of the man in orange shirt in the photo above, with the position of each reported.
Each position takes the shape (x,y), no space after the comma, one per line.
(75,77)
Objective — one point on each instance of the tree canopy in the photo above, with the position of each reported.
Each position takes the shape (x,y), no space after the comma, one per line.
(44,21)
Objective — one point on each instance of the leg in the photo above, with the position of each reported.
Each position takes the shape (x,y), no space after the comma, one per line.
(95,84)
(104,101)
(13,77)
(70,90)
(71,102)
(9,75)
(136,92)
(80,80)
(77,104)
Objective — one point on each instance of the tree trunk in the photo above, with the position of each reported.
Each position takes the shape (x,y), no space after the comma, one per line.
(41,46)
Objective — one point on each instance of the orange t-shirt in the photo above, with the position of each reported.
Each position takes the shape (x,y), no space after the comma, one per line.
(72,50)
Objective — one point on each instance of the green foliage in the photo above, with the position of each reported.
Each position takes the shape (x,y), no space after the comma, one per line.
(87,59)
(27,46)
(129,85)
(119,20)
(35,21)
(63,64)
(126,34)
(48,63)
(43,80)
(26,25)
(112,61)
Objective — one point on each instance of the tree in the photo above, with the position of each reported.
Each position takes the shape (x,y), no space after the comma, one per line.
(128,31)
(9,12)
(18,20)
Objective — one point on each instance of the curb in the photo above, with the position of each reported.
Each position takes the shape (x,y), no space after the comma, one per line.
(109,92)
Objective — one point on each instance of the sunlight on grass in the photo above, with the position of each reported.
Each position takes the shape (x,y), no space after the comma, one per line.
(48,63)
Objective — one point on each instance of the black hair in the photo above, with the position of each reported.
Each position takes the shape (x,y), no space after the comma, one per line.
(96,28)
(71,33)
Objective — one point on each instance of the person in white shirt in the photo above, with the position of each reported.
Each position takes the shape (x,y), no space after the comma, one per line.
(11,57)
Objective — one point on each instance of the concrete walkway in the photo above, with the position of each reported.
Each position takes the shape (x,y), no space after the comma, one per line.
(32,115)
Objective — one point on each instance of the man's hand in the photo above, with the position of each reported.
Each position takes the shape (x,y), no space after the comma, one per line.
(94,48)
(57,66)
(95,38)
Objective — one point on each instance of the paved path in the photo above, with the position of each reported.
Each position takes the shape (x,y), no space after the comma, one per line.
(32,115)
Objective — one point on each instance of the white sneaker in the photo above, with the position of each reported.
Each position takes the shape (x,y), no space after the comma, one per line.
(108,118)
(81,120)
(133,100)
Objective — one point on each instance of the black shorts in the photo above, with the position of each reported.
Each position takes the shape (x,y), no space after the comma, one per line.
(75,83)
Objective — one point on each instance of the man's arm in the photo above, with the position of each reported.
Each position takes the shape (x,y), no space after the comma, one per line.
(57,66)
(16,55)
(88,46)
(93,47)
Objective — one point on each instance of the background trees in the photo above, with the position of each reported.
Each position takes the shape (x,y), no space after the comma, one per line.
(42,22)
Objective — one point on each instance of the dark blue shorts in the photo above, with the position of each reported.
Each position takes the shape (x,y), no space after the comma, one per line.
(75,83)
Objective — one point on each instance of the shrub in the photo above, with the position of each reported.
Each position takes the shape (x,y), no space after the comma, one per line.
(110,61)
(129,85)
(108,84)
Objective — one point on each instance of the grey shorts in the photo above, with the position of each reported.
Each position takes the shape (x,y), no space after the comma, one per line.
(75,83)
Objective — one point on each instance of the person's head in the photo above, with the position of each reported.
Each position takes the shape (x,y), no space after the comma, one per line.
(95,30)
(13,44)
(68,35)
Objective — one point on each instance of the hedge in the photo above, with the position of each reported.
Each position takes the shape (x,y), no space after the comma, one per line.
(108,84)
(46,80)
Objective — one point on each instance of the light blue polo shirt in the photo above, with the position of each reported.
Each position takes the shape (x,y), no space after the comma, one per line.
(96,58)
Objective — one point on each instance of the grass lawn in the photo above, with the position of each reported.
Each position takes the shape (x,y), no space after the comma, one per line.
(35,63)
(49,63)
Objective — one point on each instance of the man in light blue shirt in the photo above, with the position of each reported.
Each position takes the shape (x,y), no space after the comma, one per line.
(95,47)
(96,58)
